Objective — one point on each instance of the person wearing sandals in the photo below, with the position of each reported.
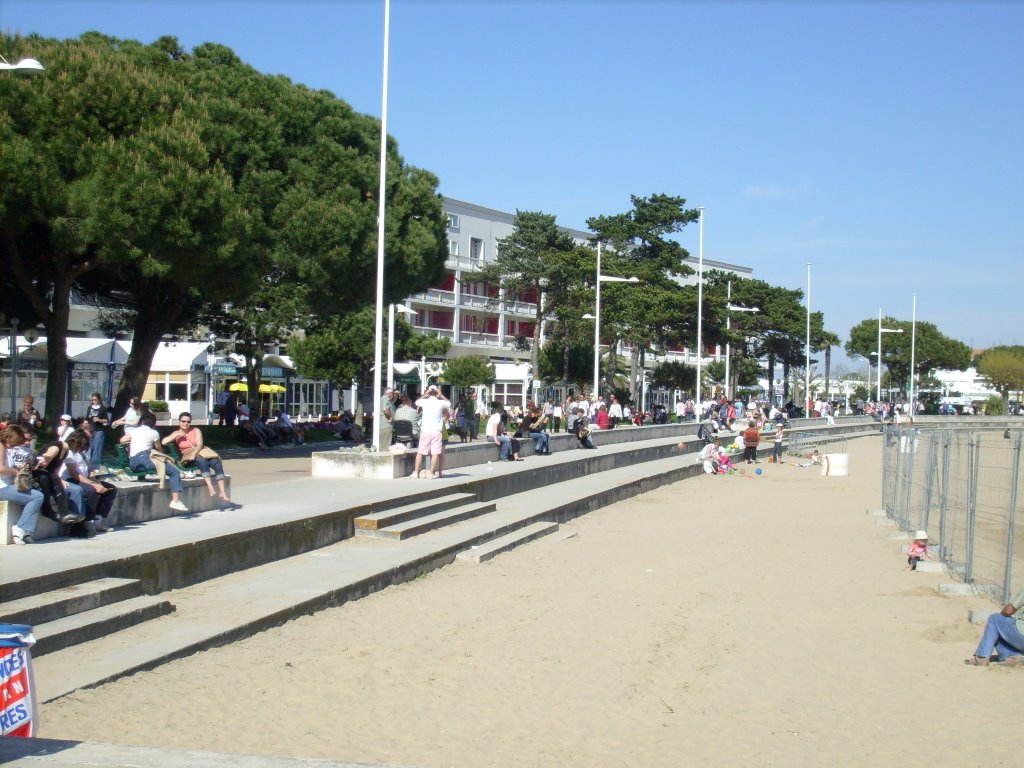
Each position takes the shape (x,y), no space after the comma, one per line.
(1003,637)
(189,442)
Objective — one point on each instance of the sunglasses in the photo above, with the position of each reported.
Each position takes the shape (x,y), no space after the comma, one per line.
(185,421)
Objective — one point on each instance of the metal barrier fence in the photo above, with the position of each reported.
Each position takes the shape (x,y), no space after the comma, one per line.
(963,486)
(805,443)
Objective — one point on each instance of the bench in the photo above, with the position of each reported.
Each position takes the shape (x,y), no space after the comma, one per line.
(136,502)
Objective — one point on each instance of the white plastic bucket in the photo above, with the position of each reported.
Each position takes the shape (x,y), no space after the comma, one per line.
(835,464)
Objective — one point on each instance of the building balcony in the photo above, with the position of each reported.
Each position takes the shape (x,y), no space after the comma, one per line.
(445,333)
(435,296)
(464,263)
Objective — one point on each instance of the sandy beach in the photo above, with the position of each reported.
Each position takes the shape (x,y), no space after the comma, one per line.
(743,620)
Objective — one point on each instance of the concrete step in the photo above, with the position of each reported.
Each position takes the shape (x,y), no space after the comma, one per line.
(481,553)
(99,622)
(50,606)
(377,520)
(414,527)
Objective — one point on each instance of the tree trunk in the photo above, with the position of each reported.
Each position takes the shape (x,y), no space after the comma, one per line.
(565,363)
(634,372)
(57,352)
(785,381)
(771,377)
(828,367)
(157,306)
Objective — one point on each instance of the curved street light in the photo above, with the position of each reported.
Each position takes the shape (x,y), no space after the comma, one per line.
(881,330)
(25,65)
(597,313)
(728,326)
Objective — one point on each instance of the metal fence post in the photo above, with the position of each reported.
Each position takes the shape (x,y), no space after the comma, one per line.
(973,454)
(929,478)
(1012,527)
(909,482)
(947,448)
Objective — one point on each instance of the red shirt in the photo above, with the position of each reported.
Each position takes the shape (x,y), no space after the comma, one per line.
(751,436)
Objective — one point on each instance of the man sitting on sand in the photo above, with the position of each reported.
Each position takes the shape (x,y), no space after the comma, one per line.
(1003,636)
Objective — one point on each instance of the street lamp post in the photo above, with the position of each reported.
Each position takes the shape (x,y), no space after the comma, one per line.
(379,317)
(807,347)
(913,345)
(728,326)
(597,313)
(700,305)
(881,330)
(391,337)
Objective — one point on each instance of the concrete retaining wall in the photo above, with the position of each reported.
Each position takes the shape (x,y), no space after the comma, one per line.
(136,502)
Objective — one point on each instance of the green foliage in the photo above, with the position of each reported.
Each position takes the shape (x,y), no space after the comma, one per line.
(658,310)
(170,182)
(158,406)
(536,258)
(469,371)
(933,350)
(993,406)
(674,375)
(1003,366)
(580,363)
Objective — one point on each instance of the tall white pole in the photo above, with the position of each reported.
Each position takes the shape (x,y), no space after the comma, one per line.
(597,323)
(913,344)
(807,348)
(391,345)
(728,346)
(878,387)
(378,340)
(700,305)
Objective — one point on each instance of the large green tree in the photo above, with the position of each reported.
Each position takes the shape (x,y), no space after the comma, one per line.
(659,310)
(1004,368)
(932,349)
(535,260)
(176,180)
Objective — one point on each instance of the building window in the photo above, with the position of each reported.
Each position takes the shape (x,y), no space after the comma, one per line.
(453,221)
(453,247)
(476,248)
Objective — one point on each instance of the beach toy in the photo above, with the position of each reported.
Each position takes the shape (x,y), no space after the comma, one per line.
(758,471)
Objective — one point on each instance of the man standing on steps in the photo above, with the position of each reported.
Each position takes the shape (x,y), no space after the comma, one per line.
(434,412)
(387,415)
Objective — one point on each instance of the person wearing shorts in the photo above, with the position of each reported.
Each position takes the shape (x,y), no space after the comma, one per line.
(434,409)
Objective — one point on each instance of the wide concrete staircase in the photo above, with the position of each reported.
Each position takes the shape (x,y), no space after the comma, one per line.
(249,573)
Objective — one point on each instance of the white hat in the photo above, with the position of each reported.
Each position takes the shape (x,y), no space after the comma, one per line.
(921,535)
(432,388)
(65,417)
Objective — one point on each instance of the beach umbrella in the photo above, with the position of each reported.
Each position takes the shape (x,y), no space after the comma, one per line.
(239,386)
(272,389)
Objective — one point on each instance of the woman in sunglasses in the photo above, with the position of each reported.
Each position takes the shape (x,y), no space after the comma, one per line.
(190,445)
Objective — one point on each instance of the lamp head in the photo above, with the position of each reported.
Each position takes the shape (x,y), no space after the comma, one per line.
(29,66)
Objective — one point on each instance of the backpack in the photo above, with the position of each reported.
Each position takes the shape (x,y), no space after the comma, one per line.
(704,433)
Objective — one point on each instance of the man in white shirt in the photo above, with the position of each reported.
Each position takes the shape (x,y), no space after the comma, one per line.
(144,438)
(494,434)
(434,410)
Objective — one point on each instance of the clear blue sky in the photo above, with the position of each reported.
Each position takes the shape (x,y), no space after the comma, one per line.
(883,142)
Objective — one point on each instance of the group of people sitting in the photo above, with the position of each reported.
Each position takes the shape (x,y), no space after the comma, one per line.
(65,481)
(533,424)
(280,428)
